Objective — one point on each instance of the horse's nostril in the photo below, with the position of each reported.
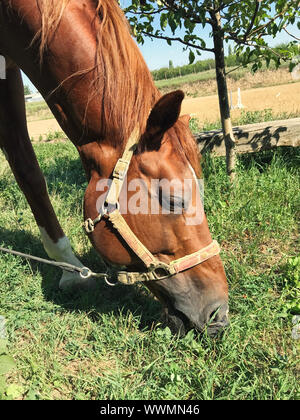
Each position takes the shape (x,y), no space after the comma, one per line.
(213,317)
(217,315)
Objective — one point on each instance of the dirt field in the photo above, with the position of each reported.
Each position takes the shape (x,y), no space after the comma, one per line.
(42,128)
(207,85)
(282,98)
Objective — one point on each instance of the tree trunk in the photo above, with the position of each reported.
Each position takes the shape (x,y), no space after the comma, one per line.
(223,94)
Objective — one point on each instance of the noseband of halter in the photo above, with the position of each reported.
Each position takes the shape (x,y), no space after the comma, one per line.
(155,269)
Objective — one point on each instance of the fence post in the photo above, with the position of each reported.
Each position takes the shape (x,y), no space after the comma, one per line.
(231,101)
(239,104)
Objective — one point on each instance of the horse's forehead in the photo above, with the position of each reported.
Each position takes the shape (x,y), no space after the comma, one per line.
(166,165)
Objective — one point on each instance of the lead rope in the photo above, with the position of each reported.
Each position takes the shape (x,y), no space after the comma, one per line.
(84,272)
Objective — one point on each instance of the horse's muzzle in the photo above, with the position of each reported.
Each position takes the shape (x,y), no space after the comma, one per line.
(213,321)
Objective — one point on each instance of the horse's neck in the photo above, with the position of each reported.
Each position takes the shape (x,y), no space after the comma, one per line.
(106,111)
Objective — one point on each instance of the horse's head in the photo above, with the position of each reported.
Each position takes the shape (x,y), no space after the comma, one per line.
(162,206)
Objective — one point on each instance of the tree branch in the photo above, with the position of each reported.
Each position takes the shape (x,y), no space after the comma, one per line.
(153,12)
(252,20)
(261,27)
(234,37)
(190,16)
(167,38)
(293,36)
(225,5)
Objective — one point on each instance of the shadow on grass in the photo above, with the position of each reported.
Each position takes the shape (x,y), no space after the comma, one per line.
(287,157)
(103,300)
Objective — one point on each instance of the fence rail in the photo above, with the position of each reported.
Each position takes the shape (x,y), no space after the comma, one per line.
(253,137)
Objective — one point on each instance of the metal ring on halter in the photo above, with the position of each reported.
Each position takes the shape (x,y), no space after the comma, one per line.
(109,283)
(109,207)
(106,276)
(85,273)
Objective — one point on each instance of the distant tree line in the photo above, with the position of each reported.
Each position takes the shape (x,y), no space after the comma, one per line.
(170,72)
(203,65)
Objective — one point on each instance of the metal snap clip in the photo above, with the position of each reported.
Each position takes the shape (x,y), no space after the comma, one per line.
(85,273)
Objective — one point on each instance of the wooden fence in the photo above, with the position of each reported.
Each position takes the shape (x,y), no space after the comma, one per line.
(253,137)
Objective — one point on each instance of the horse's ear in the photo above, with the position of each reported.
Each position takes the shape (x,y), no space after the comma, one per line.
(163,116)
(186,118)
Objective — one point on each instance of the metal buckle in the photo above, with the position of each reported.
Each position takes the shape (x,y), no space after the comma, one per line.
(162,271)
(108,208)
(121,169)
(156,272)
(89,226)
(125,278)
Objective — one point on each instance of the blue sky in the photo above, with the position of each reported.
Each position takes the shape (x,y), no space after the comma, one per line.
(157,53)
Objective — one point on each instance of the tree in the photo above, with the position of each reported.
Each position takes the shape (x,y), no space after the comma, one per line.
(27,90)
(246,24)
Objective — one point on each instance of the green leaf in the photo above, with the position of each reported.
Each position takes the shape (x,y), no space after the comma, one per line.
(14,391)
(32,395)
(7,363)
(191,56)
(2,386)
(172,23)
(3,346)
(295,308)
(163,21)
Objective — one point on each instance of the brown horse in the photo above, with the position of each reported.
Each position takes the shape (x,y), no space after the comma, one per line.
(81,57)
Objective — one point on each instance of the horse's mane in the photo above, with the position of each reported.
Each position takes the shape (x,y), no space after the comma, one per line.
(121,77)
(128,97)
(51,14)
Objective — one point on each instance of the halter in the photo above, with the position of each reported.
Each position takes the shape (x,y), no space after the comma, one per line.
(155,269)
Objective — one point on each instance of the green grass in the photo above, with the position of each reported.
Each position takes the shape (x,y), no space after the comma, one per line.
(109,344)
(36,111)
(189,78)
(176,82)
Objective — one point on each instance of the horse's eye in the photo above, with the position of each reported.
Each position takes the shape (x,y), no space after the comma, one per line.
(174,204)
